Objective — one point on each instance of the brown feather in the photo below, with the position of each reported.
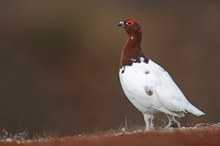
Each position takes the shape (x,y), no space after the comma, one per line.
(131,51)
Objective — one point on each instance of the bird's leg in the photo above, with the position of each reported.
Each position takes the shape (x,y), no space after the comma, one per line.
(172,122)
(149,122)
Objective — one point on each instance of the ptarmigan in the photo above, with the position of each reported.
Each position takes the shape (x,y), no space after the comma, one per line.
(147,85)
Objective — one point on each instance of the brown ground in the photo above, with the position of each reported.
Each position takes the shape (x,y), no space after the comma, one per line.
(201,135)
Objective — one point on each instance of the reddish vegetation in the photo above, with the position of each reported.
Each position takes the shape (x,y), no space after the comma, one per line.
(201,136)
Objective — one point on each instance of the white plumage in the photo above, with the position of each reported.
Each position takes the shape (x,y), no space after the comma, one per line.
(138,79)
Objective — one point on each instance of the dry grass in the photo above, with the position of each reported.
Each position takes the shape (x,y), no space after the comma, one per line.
(201,134)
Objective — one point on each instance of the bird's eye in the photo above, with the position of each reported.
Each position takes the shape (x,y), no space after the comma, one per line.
(129,23)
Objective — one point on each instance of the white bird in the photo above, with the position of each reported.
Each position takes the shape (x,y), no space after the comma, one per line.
(147,85)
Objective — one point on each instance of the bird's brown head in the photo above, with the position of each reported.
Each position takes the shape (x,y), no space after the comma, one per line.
(132,48)
(131,26)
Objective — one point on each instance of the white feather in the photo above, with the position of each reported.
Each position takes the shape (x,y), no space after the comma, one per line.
(141,77)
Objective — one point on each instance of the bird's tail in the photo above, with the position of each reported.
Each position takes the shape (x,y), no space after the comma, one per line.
(192,109)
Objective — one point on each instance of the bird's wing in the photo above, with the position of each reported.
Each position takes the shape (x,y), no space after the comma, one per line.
(167,92)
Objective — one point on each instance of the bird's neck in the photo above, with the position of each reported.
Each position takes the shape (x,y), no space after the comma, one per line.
(132,50)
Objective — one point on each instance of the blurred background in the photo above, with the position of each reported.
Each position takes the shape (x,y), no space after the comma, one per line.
(59,61)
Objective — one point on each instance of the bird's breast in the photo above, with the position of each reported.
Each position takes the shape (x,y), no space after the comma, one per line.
(134,80)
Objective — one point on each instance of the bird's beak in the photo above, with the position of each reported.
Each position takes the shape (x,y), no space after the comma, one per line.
(121,24)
